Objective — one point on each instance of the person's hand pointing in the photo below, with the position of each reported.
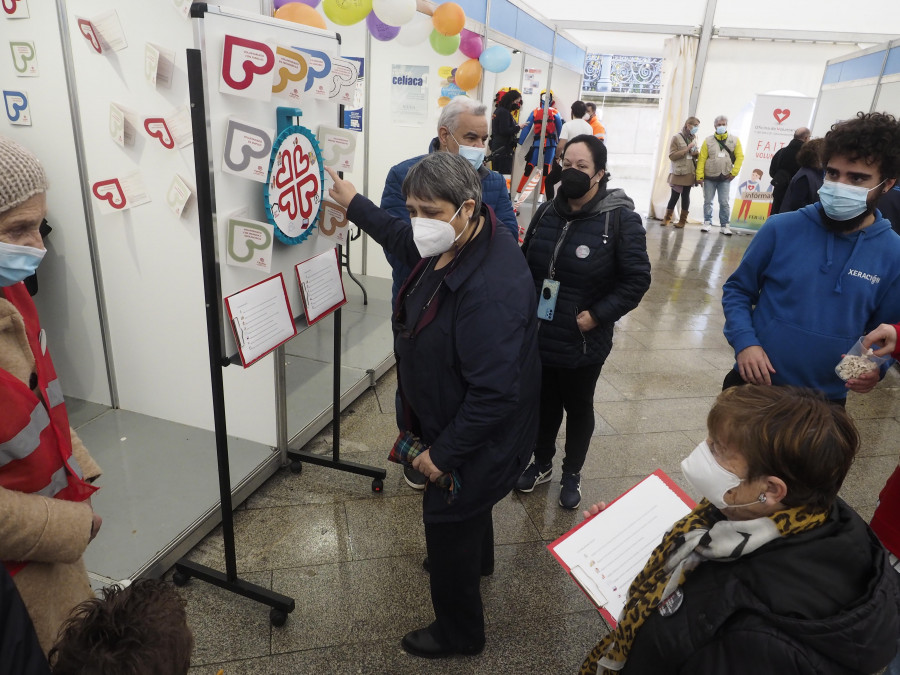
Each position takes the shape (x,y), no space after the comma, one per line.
(342,191)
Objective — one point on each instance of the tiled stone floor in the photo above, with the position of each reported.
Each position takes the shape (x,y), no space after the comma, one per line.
(352,559)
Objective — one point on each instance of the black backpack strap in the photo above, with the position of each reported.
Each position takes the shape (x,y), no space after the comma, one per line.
(726,149)
(532,226)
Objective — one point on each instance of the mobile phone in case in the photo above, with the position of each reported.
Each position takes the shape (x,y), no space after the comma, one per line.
(547,301)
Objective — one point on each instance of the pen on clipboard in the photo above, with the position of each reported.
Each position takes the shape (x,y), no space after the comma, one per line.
(237,331)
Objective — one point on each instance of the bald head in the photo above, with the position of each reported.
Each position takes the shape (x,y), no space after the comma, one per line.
(802,134)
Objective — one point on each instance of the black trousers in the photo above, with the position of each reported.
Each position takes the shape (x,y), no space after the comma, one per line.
(734,379)
(457,554)
(685,199)
(572,390)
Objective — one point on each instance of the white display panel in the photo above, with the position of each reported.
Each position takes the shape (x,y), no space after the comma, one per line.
(889,98)
(67,301)
(841,103)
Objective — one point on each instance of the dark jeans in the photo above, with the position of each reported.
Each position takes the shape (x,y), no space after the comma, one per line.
(457,554)
(734,379)
(571,389)
(685,199)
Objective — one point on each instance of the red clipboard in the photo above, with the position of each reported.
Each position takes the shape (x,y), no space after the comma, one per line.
(303,288)
(232,308)
(669,483)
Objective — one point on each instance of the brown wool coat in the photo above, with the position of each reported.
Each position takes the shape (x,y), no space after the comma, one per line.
(50,533)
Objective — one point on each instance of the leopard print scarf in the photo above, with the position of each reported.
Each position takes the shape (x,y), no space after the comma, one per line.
(701,535)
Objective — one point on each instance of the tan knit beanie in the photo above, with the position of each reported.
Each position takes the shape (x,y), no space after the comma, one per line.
(21,175)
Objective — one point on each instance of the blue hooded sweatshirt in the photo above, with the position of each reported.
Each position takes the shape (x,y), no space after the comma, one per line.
(805,295)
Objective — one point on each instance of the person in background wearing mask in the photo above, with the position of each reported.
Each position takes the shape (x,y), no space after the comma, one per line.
(683,151)
(462,130)
(574,127)
(784,166)
(468,368)
(812,281)
(46,518)
(505,132)
(587,251)
(771,572)
(590,116)
(718,164)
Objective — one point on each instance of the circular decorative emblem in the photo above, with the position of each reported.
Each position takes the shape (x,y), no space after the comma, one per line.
(293,191)
(582,251)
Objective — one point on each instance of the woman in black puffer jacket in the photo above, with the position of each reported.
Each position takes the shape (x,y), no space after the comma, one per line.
(590,245)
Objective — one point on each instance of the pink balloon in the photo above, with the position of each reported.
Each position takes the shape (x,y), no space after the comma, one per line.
(471,44)
(380,30)
(312,3)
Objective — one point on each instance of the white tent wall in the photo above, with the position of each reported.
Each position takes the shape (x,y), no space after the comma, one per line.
(67,301)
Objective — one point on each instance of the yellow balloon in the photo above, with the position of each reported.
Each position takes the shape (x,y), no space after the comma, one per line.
(449,19)
(347,12)
(444,72)
(468,75)
(299,12)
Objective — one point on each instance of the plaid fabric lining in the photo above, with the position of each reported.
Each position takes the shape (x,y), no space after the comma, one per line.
(407,447)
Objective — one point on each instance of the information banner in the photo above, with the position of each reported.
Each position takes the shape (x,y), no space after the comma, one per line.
(775,119)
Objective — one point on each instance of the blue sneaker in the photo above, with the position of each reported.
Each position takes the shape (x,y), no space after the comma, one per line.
(570,493)
(533,476)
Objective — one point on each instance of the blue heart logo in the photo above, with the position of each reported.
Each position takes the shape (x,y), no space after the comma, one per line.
(15,102)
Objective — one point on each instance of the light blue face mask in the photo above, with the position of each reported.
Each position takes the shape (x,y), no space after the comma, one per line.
(694,130)
(475,156)
(721,129)
(843,202)
(18,262)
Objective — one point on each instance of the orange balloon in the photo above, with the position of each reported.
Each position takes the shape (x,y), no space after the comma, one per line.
(468,75)
(442,101)
(299,12)
(449,19)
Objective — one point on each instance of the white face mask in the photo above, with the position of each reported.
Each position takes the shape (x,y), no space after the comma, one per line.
(586,117)
(18,262)
(473,155)
(433,237)
(721,129)
(710,478)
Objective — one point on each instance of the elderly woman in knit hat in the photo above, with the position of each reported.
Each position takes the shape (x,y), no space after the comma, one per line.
(46,518)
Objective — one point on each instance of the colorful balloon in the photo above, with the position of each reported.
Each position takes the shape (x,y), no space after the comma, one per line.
(442,101)
(302,13)
(347,12)
(394,12)
(281,3)
(495,59)
(380,30)
(443,44)
(416,31)
(470,44)
(449,19)
(468,75)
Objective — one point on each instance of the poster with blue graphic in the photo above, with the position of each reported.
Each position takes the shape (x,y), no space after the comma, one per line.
(409,95)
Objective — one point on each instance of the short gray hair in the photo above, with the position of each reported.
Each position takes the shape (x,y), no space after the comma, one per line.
(720,118)
(444,176)
(461,104)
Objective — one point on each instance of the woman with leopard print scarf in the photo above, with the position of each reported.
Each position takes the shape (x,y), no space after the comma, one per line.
(771,572)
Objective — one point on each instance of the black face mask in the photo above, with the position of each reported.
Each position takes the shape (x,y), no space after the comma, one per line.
(575,184)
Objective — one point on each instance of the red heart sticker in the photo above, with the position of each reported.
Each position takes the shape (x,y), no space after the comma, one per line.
(157,128)
(10,6)
(781,115)
(87,29)
(111,191)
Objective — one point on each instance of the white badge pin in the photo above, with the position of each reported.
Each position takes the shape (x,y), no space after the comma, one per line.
(582,251)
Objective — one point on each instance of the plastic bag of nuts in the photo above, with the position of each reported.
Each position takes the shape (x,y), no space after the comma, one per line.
(858,361)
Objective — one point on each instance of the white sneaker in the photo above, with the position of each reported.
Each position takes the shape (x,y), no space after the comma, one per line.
(706,227)
(726,231)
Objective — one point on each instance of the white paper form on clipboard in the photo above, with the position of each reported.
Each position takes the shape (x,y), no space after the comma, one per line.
(261,318)
(606,552)
(321,285)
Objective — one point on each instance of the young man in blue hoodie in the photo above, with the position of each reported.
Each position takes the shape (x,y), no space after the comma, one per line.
(813,281)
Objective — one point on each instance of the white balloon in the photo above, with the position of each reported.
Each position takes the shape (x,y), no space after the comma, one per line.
(394,12)
(416,31)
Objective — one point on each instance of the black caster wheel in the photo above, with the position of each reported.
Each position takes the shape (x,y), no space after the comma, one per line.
(296,466)
(180,578)
(377,485)
(277,617)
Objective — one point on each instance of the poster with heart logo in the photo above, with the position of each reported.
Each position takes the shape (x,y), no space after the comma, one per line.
(15,103)
(15,9)
(772,125)
(294,189)
(114,195)
(248,68)
(24,58)
(247,149)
